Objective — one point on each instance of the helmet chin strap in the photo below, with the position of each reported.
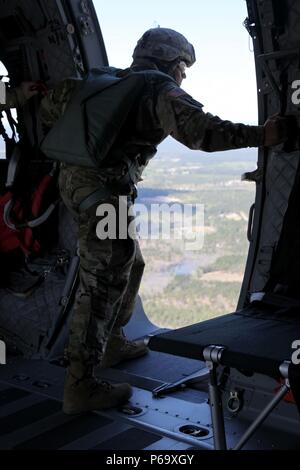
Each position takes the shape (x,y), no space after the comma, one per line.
(172,70)
(165,67)
(168,68)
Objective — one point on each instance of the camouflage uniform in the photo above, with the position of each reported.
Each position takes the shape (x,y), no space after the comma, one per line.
(111,270)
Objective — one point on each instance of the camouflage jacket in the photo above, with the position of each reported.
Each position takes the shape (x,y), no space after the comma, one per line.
(162,111)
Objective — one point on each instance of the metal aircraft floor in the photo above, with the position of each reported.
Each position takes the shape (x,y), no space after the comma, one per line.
(31,416)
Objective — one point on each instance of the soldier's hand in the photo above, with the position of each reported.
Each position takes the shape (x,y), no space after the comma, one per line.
(29,89)
(276,130)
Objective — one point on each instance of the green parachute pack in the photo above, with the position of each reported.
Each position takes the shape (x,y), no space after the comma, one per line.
(98,109)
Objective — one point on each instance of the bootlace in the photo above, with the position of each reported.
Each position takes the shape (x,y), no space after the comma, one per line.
(78,380)
(96,384)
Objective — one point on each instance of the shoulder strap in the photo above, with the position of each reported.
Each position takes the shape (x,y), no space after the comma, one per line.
(91,84)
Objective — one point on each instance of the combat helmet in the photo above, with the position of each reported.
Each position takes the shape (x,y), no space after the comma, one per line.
(165,45)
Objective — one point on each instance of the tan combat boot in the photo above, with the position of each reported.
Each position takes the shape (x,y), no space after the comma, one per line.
(120,349)
(89,394)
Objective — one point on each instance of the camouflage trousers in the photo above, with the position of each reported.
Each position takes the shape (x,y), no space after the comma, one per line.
(110,271)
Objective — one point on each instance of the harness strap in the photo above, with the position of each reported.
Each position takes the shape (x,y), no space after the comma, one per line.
(124,186)
(106,192)
(93,198)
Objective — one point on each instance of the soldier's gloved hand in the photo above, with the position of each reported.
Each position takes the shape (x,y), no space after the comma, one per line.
(276,130)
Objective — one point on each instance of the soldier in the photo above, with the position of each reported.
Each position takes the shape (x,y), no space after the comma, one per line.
(111,270)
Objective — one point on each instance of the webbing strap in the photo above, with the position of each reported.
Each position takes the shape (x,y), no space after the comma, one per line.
(123,186)
(95,197)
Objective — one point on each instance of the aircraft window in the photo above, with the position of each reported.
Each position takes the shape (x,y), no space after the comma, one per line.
(182,287)
(3,74)
(3,71)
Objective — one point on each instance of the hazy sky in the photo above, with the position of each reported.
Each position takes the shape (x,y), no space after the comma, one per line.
(223,78)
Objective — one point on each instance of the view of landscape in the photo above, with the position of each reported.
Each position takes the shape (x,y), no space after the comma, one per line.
(183,287)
